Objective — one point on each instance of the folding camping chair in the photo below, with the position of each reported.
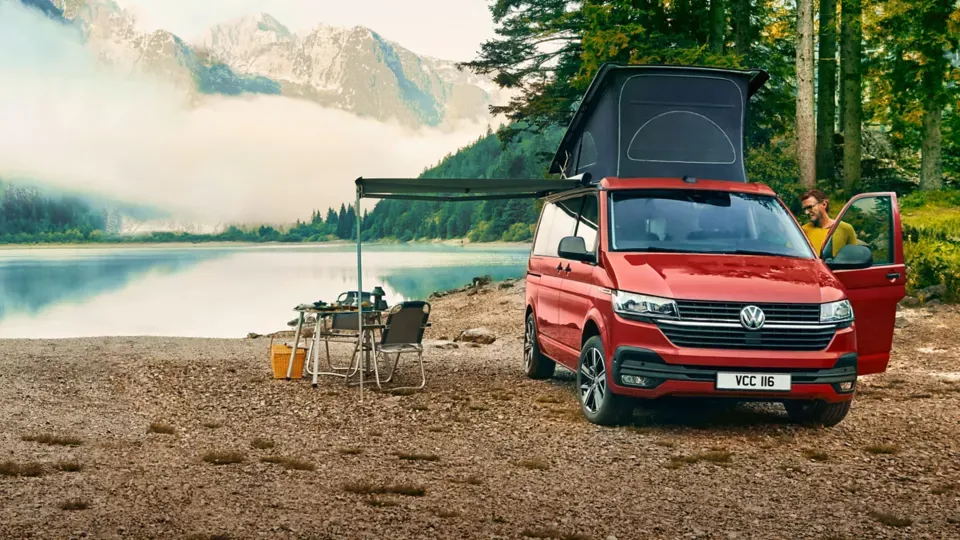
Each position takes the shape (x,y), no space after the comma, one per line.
(402,333)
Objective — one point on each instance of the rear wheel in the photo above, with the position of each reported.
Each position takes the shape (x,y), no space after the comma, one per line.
(598,403)
(536,365)
(817,412)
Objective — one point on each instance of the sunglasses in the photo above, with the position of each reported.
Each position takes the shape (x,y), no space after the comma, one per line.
(809,207)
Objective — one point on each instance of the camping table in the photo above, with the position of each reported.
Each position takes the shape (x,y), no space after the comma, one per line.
(366,337)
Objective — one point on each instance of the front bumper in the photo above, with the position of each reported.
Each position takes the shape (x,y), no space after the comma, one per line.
(663,379)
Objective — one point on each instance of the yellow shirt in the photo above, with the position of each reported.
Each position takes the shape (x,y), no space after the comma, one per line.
(843,236)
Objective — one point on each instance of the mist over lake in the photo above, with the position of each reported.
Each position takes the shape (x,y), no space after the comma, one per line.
(217,292)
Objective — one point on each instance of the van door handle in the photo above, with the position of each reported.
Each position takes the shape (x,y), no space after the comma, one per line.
(567,269)
(559,267)
(893,275)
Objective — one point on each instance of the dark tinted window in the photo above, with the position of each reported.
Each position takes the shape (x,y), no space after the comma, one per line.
(694,221)
(587,224)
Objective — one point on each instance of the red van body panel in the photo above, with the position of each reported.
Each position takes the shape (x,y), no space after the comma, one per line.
(572,301)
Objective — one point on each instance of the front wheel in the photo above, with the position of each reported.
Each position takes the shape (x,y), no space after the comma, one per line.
(535,364)
(598,403)
(817,412)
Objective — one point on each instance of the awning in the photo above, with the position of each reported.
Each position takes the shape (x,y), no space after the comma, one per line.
(460,189)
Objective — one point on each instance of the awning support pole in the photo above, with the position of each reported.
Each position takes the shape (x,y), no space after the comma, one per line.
(359,298)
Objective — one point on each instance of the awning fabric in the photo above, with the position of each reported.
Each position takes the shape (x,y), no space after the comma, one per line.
(460,189)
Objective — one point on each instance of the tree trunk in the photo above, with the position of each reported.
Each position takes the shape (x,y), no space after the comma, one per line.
(717,26)
(827,86)
(852,33)
(806,135)
(741,9)
(931,153)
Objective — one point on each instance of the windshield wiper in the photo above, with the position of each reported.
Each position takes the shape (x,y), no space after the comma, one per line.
(757,252)
(651,249)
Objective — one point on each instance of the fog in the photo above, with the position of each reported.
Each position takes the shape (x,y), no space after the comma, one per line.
(68,122)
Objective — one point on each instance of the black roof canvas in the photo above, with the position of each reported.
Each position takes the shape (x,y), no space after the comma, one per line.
(660,121)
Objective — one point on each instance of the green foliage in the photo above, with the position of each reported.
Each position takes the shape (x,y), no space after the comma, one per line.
(933,262)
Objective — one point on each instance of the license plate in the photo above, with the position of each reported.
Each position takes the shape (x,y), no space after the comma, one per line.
(777,382)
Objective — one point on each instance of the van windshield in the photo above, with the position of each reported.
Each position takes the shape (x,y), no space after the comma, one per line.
(697,221)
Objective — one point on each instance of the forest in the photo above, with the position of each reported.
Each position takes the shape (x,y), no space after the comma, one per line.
(863,97)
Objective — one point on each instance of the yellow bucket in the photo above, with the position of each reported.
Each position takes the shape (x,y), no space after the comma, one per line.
(280,359)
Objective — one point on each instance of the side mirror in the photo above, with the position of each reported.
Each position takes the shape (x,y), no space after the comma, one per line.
(574,248)
(851,257)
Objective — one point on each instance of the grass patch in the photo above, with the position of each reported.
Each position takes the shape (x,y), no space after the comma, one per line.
(717,456)
(679,461)
(223,458)
(74,504)
(891,520)
(552,533)
(944,489)
(380,502)
(887,449)
(535,464)
(11,468)
(815,455)
(297,464)
(366,488)
(416,457)
(212,425)
(262,444)
(53,440)
(350,451)
(473,480)
(69,466)
(164,429)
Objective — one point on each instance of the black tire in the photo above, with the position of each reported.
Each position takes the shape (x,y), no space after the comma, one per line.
(535,364)
(598,403)
(817,412)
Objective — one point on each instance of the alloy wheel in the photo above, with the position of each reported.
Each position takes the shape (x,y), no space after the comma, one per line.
(593,388)
(528,345)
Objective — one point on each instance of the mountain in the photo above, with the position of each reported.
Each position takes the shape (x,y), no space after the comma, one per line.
(353,69)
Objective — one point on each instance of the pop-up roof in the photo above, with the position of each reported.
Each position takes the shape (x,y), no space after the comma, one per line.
(660,121)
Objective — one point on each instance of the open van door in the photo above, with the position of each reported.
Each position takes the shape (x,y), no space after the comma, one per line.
(875,281)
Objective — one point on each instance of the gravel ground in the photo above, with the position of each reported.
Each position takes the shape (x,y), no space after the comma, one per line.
(495,454)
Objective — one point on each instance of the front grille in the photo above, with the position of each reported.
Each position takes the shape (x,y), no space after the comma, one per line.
(730,311)
(769,339)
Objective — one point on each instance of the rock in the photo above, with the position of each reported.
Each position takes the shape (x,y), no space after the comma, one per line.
(506,285)
(477,335)
(909,301)
(932,303)
(933,291)
(472,292)
(253,335)
(901,321)
(482,280)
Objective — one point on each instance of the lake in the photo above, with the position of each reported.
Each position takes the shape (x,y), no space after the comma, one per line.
(219,292)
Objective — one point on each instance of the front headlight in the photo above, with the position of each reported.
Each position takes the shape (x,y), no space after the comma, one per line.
(836,312)
(641,305)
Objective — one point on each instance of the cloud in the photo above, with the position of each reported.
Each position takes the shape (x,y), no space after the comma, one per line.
(67,121)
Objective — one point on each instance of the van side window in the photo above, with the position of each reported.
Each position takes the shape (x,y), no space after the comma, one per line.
(557,221)
(587,225)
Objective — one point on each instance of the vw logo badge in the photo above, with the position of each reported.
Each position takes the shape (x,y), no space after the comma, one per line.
(752,317)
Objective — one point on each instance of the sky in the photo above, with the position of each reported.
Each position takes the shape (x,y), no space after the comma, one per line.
(447,29)
(69,122)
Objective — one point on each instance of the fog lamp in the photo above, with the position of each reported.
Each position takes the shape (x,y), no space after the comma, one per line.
(634,380)
(847,386)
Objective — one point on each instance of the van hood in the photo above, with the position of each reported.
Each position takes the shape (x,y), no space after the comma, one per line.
(732,278)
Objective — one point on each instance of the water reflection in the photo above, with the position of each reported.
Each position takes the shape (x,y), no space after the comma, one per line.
(216,292)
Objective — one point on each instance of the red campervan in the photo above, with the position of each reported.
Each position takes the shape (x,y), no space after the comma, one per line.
(673,276)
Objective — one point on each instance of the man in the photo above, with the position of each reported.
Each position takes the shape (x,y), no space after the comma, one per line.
(815,205)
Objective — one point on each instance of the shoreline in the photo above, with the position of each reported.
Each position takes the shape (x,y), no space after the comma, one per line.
(216,244)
